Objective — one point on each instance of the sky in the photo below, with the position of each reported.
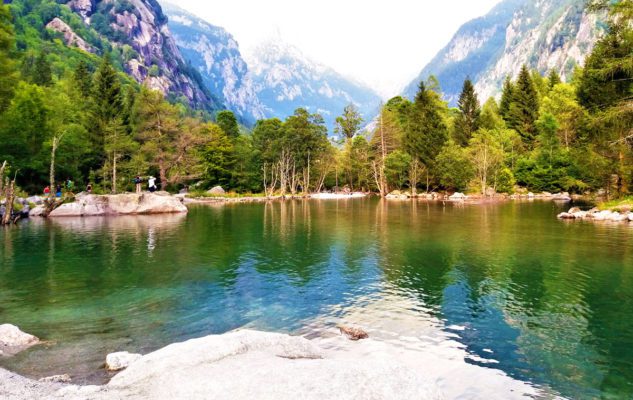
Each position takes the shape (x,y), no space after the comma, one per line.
(383,44)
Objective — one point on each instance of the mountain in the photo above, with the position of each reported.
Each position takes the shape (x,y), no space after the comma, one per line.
(137,31)
(544,34)
(285,79)
(216,56)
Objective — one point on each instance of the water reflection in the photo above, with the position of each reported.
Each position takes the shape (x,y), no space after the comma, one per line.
(546,301)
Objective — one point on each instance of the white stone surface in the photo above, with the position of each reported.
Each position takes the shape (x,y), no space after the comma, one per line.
(120,360)
(13,340)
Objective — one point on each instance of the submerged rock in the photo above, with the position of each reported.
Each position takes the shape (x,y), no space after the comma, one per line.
(353,333)
(121,360)
(13,340)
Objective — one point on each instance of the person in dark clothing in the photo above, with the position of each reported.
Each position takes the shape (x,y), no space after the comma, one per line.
(58,191)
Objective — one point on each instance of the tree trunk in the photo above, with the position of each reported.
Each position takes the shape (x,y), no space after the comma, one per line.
(52,169)
(114,157)
(163,174)
(4,165)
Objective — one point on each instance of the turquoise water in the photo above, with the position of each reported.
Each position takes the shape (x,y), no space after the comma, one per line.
(551,302)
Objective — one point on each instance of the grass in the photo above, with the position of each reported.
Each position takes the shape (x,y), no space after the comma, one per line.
(625,203)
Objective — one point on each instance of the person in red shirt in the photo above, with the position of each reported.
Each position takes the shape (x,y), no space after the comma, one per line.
(47,190)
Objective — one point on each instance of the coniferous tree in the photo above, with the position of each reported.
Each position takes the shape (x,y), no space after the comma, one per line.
(83,79)
(349,123)
(553,79)
(42,73)
(228,123)
(524,107)
(467,121)
(427,133)
(506,98)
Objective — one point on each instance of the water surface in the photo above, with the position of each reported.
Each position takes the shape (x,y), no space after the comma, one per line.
(545,301)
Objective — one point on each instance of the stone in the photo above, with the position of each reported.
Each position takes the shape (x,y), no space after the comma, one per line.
(13,340)
(631,217)
(216,190)
(458,197)
(121,360)
(566,216)
(531,195)
(57,379)
(70,37)
(574,210)
(353,333)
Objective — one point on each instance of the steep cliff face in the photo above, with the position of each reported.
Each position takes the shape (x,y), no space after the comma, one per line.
(139,29)
(544,34)
(285,80)
(215,54)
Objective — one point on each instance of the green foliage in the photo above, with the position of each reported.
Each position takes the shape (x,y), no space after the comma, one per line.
(454,167)
(524,107)
(219,157)
(349,123)
(397,166)
(228,123)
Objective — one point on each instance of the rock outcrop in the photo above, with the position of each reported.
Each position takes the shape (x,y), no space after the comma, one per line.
(120,204)
(596,215)
(13,340)
(242,365)
(70,37)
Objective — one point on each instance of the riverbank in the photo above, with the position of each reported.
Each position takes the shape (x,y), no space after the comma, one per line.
(248,364)
(622,214)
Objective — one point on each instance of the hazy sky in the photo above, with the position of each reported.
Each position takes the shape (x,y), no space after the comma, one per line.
(384,44)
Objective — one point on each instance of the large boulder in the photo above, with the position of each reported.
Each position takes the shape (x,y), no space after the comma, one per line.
(121,360)
(13,340)
(458,197)
(216,191)
(120,204)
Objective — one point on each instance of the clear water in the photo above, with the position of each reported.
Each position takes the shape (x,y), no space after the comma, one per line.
(551,302)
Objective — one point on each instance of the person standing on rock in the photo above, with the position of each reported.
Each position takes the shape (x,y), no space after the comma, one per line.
(47,190)
(58,191)
(89,188)
(138,182)
(152,184)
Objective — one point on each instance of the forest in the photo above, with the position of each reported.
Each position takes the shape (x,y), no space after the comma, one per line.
(69,114)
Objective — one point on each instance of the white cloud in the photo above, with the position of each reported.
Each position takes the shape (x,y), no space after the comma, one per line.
(381,43)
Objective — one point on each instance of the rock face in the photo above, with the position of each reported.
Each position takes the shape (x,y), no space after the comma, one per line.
(216,55)
(458,197)
(121,204)
(243,365)
(70,37)
(545,35)
(13,340)
(121,360)
(139,27)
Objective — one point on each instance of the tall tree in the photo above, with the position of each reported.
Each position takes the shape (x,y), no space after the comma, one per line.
(106,103)
(83,79)
(228,123)
(553,79)
(349,123)
(426,134)
(467,121)
(524,107)
(42,72)
(506,97)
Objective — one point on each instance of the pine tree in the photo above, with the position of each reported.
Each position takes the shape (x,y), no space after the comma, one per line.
(83,79)
(553,79)
(349,123)
(42,73)
(427,133)
(524,107)
(506,98)
(106,99)
(467,122)
(228,123)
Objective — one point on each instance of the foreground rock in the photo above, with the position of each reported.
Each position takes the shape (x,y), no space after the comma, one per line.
(596,215)
(13,340)
(119,361)
(57,379)
(120,204)
(353,333)
(242,365)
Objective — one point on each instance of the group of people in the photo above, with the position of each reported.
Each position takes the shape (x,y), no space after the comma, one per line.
(151,184)
(69,185)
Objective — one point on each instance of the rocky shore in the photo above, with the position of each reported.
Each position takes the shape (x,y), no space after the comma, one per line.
(596,214)
(241,365)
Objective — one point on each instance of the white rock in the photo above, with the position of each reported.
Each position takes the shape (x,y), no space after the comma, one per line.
(13,340)
(216,190)
(36,212)
(121,204)
(631,217)
(121,360)
(458,197)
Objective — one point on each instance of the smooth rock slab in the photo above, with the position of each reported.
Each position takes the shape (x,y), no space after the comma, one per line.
(120,204)
(121,360)
(13,340)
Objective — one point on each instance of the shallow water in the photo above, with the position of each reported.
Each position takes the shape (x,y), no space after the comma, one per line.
(545,301)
